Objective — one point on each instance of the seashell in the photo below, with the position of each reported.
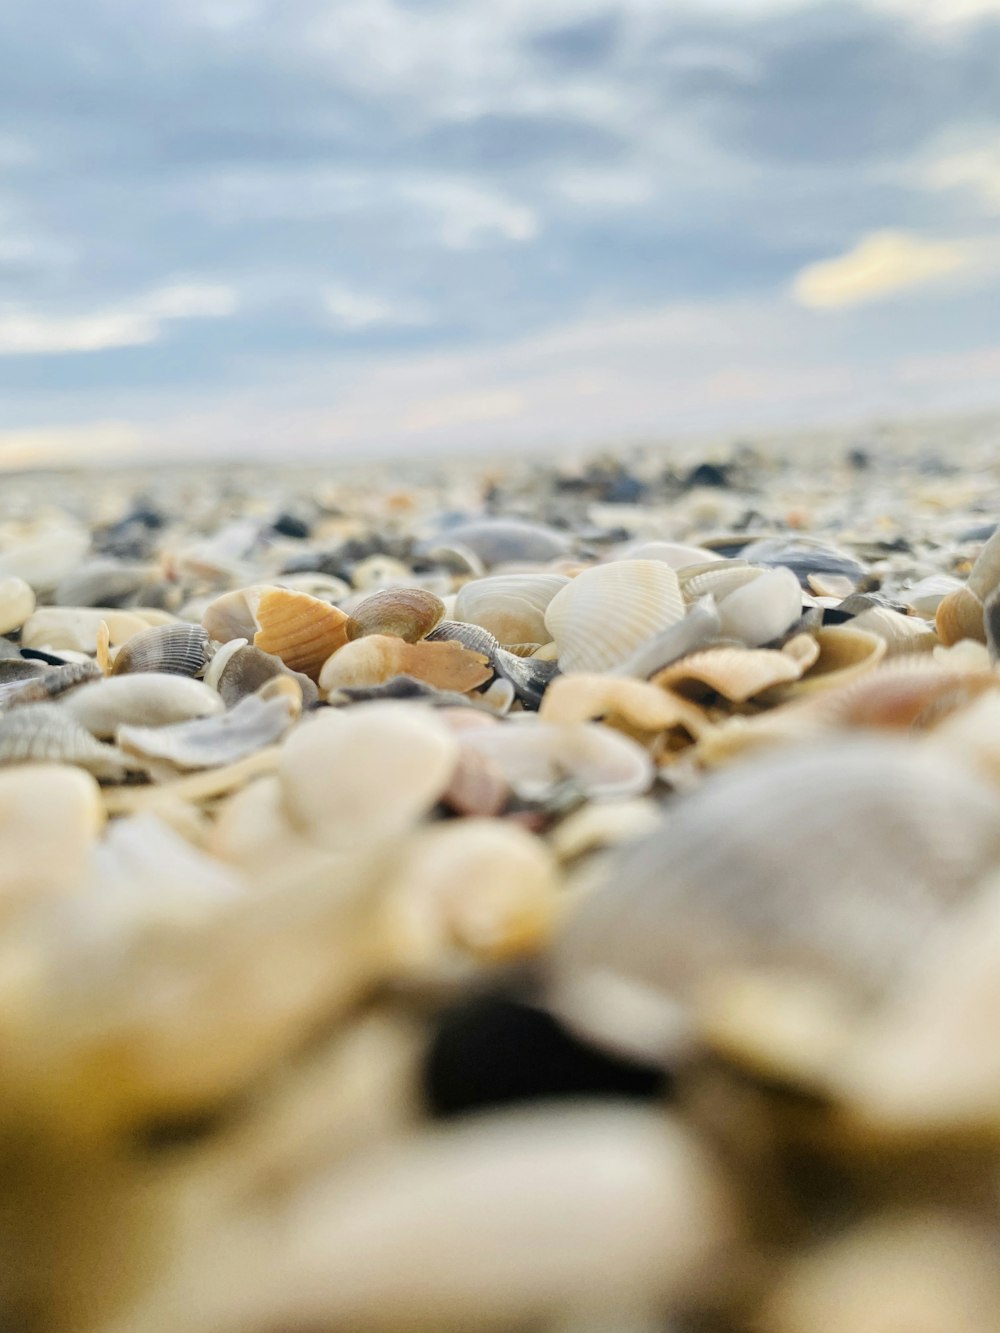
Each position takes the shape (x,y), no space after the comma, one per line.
(510,606)
(44,733)
(50,818)
(830,585)
(499,695)
(717,579)
(238,670)
(17,601)
(960,616)
(408,613)
(103,583)
(233,615)
(485,886)
(529,676)
(477,786)
(602,616)
(632,706)
(674,554)
(76,628)
(458,559)
(251,825)
(406,687)
(376,658)
(737,674)
(504,541)
(43,562)
(327,587)
(763,610)
(174,650)
(364,775)
(46,683)
(499,1222)
(924,597)
(379,571)
(902,634)
(209,742)
(991,624)
(984,576)
(146,698)
(804,556)
(905,834)
(301,630)
(698,627)
(540,758)
(844,652)
(595,827)
(207,785)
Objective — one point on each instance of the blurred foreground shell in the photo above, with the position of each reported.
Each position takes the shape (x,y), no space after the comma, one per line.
(587,758)
(50,817)
(46,733)
(602,616)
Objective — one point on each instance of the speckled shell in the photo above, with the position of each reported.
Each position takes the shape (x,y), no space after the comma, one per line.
(407,613)
(602,616)
(510,606)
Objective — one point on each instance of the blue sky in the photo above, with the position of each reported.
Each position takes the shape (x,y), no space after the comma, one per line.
(231,226)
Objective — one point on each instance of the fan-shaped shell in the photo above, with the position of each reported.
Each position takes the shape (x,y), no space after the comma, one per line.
(630,705)
(511,606)
(844,653)
(602,616)
(737,674)
(177,650)
(45,733)
(301,630)
(407,613)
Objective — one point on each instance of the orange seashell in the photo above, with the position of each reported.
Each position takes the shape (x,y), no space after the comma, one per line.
(737,674)
(406,613)
(960,616)
(378,657)
(302,630)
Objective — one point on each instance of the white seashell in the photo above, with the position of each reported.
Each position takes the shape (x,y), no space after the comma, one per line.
(76,627)
(674,554)
(148,699)
(902,634)
(538,758)
(212,741)
(716,580)
(763,610)
(44,561)
(50,817)
(17,601)
(365,774)
(219,662)
(925,597)
(602,616)
(510,606)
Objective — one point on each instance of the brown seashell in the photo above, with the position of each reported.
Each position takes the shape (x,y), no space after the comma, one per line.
(406,613)
(378,657)
(177,650)
(301,630)
(737,674)
(844,652)
(960,616)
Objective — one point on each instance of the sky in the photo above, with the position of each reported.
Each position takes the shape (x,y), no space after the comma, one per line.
(272,228)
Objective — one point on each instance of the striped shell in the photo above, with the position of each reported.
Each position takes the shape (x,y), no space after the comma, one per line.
(602,616)
(177,650)
(301,630)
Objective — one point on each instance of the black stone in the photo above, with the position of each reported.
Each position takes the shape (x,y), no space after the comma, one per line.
(288,525)
(707,474)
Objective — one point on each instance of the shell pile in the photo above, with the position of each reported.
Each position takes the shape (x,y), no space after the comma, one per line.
(498,906)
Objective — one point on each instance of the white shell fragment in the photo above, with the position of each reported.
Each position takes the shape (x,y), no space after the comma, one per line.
(211,741)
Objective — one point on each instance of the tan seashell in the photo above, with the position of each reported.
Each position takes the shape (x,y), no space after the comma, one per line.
(363,775)
(539,757)
(76,628)
(17,602)
(763,610)
(485,886)
(960,616)
(830,585)
(477,787)
(377,658)
(50,817)
(737,674)
(594,827)
(844,652)
(44,733)
(301,630)
(407,613)
(984,576)
(602,616)
(510,606)
(902,634)
(251,825)
(146,698)
(102,648)
(632,706)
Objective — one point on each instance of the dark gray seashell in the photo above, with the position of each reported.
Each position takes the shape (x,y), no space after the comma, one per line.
(177,650)
(43,682)
(803,557)
(248,668)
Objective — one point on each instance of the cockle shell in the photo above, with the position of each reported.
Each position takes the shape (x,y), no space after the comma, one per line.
(46,733)
(17,601)
(538,758)
(50,817)
(762,610)
(301,630)
(378,657)
(902,634)
(145,698)
(602,616)
(408,613)
(827,863)
(176,650)
(511,606)
(717,579)
(737,674)
(528,676)
(363,775)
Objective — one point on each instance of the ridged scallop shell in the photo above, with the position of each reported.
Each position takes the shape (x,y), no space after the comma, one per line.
(176,650)
(902,634)
(602,616)
(844,653)
(17,601)
(378,657)
(46,733)
(511,606)
(960,616)
(541,757)
(878,840)
(301,630)
(407,613)
(210,742)
(737,674)
(762,610)
(145,698)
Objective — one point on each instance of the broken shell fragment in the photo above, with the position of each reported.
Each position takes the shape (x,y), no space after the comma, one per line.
(632,706)
(540,759)
(960,616)
(45,733)
(302,630)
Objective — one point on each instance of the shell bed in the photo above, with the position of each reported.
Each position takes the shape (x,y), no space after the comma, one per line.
(478,903)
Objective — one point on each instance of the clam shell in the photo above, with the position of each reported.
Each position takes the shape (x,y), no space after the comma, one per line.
(698,627)
(408,613)
(45,733)
(238,670)
(603,615)
(529,676)
(828,864)
(510,606)
(540,758)
(145,698)
(960,616)
(301,630)
(902,634)
(175,650)
(211,742)
(762,610)
(232,615)
(17,601)
(365,774)
(717,579)
(378,657)
(47,683)
(803,556)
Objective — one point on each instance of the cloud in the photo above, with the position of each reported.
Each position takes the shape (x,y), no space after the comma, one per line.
(25,333)
(353,310)
(882,264)
(976,170)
